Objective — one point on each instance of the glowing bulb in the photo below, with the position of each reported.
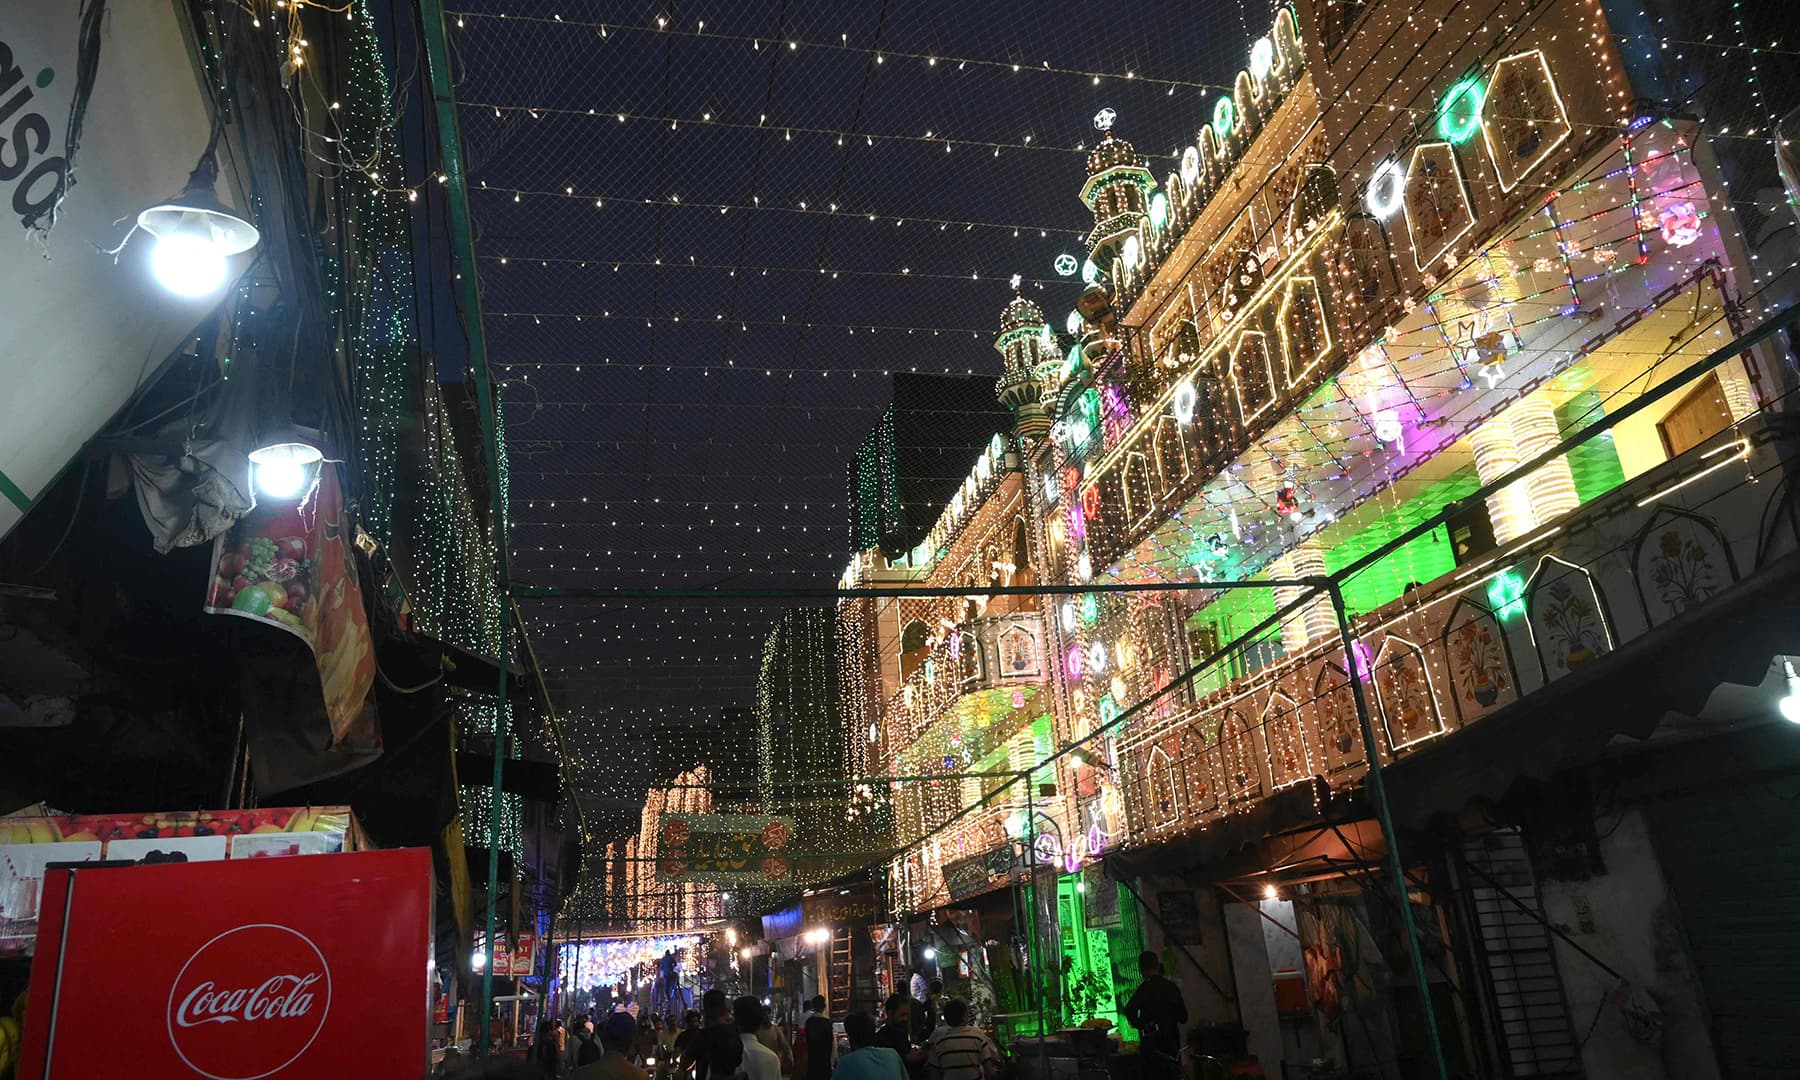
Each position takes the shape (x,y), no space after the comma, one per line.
(930,953)
(1073,323)
(1790,705)
(187,265)
(1187,398)
(1270,892)
(284,470)
(1130,253)
(1262,59)
(1387,187)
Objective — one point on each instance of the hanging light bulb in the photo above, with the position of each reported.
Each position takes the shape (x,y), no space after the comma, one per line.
(196,233)
(1790,705)
(285,470)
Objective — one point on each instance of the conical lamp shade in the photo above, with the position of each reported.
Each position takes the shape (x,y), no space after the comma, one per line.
(197,211)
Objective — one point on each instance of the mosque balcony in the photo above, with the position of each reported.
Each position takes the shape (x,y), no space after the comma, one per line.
(1660,609)
(976,687)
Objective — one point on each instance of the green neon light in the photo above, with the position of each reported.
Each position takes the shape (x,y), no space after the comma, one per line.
(1506,594)
(1459,116)
(1224,117)
(1090,609)
(1159,211)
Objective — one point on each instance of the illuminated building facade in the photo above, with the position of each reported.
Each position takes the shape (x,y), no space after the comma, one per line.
(1409,251)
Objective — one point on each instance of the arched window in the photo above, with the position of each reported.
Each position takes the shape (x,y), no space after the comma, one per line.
(915,645)
(1164,804)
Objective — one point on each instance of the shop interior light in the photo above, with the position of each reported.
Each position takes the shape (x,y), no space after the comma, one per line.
(196,233)
(1790,705)
(748,953)
(285,470)
(1270,892)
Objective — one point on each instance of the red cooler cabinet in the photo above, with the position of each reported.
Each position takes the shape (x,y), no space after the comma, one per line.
(313,966)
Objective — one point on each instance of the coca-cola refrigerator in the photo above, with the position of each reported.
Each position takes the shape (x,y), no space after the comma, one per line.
(284,969)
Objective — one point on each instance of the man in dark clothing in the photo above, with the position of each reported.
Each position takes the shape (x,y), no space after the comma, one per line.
(820,1037)
(896,1034)
(719,1037)
(925,1014)
(1157,1010)
(687,1043)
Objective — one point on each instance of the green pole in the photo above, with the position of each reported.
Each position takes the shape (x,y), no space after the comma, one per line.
(1378,794)
(437,56)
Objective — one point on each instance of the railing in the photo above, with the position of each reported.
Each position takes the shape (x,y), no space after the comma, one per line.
(1454,651)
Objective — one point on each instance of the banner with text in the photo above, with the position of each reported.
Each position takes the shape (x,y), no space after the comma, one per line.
(724,848)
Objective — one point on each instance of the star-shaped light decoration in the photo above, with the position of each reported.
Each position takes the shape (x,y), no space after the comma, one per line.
(1103,120)
(1014,281)
(1066,265)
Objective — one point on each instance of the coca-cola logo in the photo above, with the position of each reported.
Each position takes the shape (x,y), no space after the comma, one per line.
(249,1002)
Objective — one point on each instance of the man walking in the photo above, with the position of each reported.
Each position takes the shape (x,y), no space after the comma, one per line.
(1157,1009)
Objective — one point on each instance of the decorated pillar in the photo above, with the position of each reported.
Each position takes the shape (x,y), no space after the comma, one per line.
(1315,622)
(1551,486)
(1496,454)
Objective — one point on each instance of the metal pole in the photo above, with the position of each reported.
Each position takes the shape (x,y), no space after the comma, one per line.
(1034,953)
(437,54)
(1378,793)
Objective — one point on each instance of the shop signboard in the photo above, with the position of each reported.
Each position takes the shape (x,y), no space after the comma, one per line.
(1179,912)
(84,330)
(1001,860)
(968,876)
(29,844)
(724,848)
(847,906)
(1100,898)
(283,972)
(509,960)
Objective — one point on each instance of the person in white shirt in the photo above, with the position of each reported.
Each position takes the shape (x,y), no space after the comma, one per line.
(760,1062)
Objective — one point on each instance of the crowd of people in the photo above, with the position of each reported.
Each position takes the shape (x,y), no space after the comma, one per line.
(930,1039)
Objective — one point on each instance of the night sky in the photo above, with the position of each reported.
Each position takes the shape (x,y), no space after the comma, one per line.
(693,308)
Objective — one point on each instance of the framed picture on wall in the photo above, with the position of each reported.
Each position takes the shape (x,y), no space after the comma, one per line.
(1179,911)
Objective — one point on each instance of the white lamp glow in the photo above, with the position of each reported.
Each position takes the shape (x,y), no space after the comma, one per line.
(195,233)
(1387,188)
(284,470)
(1790,705)
(187,265)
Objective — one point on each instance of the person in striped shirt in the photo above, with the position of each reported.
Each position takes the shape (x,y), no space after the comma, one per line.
(963,1051)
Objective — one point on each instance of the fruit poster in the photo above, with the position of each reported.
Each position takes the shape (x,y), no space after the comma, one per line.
(29,844)
(289,565)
